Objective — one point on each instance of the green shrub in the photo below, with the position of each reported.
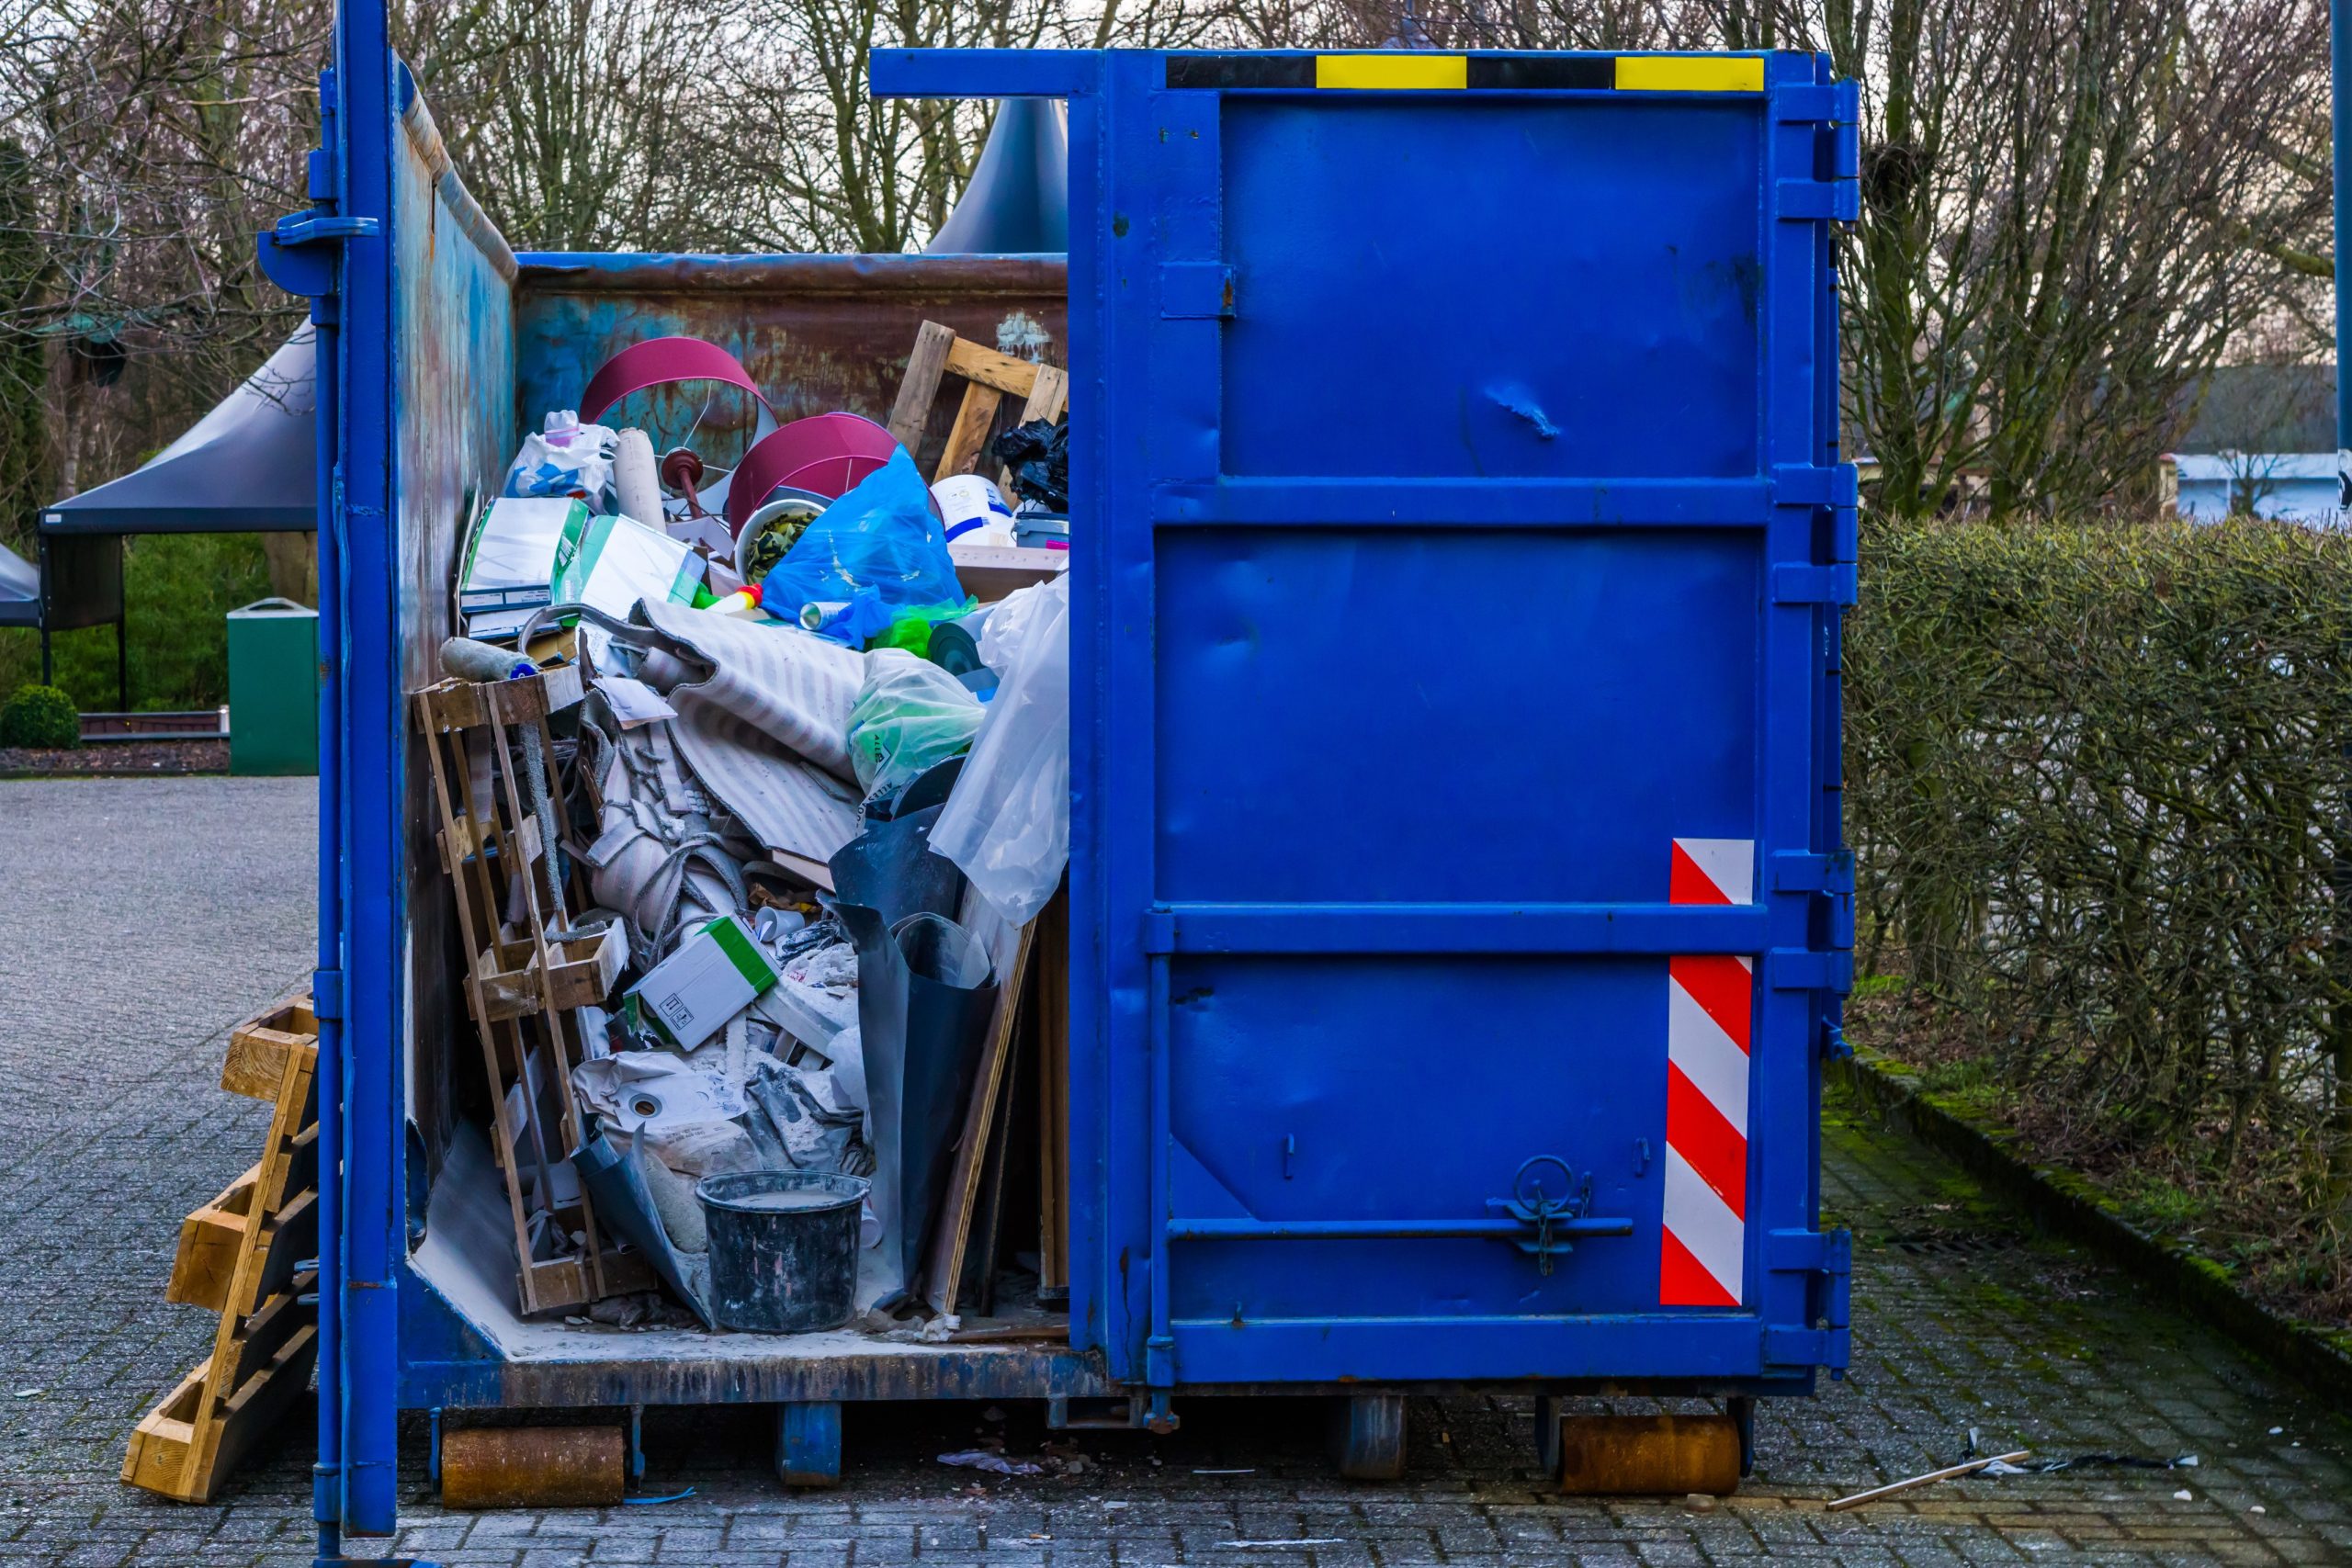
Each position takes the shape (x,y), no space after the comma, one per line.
(41,717)
(2096,782)
(176,588)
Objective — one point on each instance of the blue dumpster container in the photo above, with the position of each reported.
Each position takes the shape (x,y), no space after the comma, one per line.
(1459,909)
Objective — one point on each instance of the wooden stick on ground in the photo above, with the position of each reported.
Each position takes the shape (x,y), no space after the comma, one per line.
(1947,1473)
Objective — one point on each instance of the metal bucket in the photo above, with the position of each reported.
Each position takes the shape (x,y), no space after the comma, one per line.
(783,1249)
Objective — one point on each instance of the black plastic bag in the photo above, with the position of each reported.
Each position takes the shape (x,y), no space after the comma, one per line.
(1038,454)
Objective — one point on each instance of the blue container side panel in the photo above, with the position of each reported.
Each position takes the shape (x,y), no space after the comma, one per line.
(1371,1088)
(1449,714)
(1492,288)
(1452,457)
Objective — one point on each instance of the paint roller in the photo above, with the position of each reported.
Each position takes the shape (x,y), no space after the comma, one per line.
(637,484)
(467,658)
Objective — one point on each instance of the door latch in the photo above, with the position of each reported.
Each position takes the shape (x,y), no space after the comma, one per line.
(1541,1214)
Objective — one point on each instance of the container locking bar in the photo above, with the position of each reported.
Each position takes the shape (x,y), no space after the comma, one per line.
(1538,1225)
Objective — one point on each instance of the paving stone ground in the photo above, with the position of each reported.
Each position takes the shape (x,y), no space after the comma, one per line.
(141,918)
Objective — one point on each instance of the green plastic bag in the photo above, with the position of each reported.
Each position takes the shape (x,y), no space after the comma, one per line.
(910,716)
(911,630)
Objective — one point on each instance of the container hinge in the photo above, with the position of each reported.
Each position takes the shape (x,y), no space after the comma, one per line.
(1800,871)
(1158,932)
(1846,533)
(1814,201)
(326,993)
(1809,484)
(298,254)
(1786,1346)
(1826,1259)
(1195,291)
(1802,969)
(1809,1252)
(1817,103)
(1797,584)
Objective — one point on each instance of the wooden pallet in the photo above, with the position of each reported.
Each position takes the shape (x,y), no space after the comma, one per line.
(239,1256)
(522,986)
(989,379)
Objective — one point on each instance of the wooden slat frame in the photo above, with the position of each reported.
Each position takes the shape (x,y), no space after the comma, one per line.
(990,377)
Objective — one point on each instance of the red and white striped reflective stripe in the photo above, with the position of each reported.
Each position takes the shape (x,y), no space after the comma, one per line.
(1708,1000)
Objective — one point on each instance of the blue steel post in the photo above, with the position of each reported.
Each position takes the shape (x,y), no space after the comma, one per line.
(371,775)
(326,1490)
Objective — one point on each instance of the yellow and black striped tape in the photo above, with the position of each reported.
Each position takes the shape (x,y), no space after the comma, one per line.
(1413,71)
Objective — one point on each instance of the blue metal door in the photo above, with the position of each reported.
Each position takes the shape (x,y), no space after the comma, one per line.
(1456,868)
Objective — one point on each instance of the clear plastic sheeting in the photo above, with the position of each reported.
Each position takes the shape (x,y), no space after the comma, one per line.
(910,715)
(1007,824)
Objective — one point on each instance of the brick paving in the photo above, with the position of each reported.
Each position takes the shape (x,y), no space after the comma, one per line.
(142,916)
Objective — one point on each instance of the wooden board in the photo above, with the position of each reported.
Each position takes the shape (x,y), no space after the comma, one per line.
(974,418)
(192,1441)
(211,1240)
(258,1046)
(241,1254)
(988,572)
(989,376)
(522,994)
(951,1233)
(920,387)
(1053,1094)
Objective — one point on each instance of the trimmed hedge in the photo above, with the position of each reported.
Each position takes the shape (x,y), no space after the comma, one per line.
(2096,784)
(42,718)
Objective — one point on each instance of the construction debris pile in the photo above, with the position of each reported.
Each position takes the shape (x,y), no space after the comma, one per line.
(752,809)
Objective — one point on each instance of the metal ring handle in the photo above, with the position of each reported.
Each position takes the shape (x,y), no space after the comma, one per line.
(1568,1181)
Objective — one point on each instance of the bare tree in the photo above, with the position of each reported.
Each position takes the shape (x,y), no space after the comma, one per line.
(152,138)
(584,125)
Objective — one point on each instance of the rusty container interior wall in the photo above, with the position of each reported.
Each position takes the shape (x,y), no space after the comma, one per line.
(818,333)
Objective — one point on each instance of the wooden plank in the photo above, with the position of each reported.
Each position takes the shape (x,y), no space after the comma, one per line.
(981,1258)
(951,1233)
(1050,397)
(255,1409)
(211,1239)
(157,1458)
(267,1332)
(258,1047)
(564,1281)
(286,1238)
(988,572)
(973,419)
(1003,372)
(1053,1099)
(920,389)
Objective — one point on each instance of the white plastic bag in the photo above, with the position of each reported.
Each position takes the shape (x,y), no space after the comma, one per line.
(910,715)
(1006,821)
(567,458)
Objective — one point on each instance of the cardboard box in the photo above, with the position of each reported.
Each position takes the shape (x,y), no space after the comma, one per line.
(715,973)
(509,565)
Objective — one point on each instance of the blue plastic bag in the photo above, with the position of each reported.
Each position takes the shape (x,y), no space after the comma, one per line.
(875,551)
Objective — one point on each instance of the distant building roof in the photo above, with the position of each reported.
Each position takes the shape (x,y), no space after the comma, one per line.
(2264,408)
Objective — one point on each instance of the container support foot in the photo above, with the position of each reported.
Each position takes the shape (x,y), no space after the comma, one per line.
(1371,1436)
(809,1443)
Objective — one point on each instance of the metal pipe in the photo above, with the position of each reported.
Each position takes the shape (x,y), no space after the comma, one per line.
(1384,1230)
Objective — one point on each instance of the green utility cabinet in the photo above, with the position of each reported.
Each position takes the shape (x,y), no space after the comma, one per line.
(273,688)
